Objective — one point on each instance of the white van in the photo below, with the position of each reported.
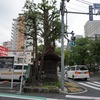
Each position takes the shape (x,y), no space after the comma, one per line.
(78,72)
(16,72)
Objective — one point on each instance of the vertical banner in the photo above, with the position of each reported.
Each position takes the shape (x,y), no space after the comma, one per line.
(90,13)
(3,51)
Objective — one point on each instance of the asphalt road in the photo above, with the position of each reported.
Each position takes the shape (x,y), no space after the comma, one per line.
(92,92)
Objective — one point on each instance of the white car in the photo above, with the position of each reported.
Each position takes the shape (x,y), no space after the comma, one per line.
(78,72)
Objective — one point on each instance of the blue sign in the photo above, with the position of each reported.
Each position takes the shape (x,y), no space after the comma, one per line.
(96,6)
(90,13)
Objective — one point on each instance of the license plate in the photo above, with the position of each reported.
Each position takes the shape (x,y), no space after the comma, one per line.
(82,72)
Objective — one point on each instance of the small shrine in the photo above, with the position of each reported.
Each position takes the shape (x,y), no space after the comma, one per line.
(50,63)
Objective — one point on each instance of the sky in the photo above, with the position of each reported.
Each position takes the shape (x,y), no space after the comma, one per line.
(9,10)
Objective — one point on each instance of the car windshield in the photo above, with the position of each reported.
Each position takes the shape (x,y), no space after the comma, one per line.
(81,68)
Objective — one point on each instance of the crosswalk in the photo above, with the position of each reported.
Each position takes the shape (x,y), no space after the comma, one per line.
(94,85)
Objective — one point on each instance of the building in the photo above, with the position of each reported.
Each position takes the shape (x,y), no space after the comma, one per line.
(17,37)
(92,29)
(7,44)
(78,36)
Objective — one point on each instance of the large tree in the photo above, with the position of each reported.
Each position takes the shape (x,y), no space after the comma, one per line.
(80,52)
(95,50)
(50,22)
(42,25)
(47,18)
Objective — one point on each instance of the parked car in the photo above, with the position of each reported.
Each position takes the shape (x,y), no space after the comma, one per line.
(78,72)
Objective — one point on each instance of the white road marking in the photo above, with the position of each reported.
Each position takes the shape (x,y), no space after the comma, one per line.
(93,84)
(82,97)
(89,86)
(97,82)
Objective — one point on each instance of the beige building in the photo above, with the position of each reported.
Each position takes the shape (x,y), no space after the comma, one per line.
(92,28)
(18,30)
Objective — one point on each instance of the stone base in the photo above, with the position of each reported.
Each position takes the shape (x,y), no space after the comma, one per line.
(40,90)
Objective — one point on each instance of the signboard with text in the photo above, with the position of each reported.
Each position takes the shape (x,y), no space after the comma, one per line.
(3,51)
(96,6)
(6,62)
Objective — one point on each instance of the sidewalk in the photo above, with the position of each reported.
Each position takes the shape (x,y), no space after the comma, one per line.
(95,74)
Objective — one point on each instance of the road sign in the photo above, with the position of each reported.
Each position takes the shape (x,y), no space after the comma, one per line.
(90,13)
(96,6)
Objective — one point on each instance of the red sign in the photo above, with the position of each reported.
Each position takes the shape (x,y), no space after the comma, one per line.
(3,51)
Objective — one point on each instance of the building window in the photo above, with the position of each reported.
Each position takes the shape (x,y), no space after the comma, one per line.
(28,53)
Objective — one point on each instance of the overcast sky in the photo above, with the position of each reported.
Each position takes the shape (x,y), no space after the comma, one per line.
(9,10)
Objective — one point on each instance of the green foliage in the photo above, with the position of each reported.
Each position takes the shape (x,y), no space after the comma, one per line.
(78,53)
(40,49)
(58,51)
(85,51)
(54,84)
(47,18)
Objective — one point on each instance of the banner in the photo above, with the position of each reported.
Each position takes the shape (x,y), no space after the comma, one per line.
(3,51)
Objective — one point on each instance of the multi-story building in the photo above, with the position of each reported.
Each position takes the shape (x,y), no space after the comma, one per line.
(78,36)
(19,43)
(14,36)
(92,29)
(7,44)
(18,33)
(18,38)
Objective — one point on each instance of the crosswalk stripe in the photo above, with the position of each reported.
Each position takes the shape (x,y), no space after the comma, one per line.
(82,97)
(89,86)
(93,84)
(97,82)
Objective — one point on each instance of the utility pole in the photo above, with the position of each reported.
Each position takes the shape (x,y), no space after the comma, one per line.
(62,8)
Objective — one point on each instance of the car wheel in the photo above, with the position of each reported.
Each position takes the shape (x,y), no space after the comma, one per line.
(85,79)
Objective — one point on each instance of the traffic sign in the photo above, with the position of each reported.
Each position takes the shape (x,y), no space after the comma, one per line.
(96,6)
(90,13)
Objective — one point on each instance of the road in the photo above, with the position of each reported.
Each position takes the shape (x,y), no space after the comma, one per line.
(92,92)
